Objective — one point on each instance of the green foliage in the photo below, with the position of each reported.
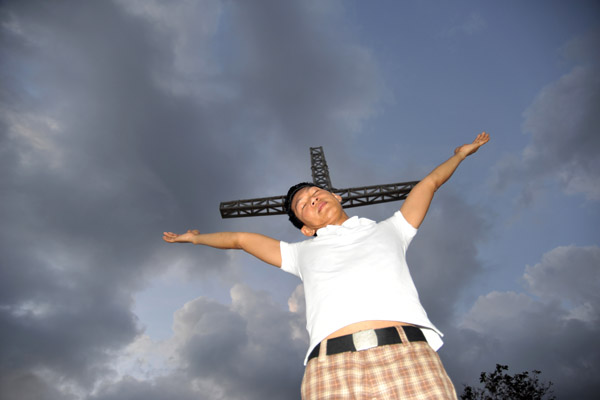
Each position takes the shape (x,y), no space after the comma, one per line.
(499,385)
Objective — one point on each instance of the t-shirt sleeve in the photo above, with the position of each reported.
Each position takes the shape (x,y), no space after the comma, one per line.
(289,259)
(406,230)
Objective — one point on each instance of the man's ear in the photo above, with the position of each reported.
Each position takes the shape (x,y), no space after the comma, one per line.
(338,197)
(306,231)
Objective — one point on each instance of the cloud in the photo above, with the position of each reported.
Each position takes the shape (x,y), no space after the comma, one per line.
(443,257)
(18,385)
(248,349)
(551,327)
(300,78)
(569,275)
(297,305)
(124,119)
(474,23)
(562,123)
(192,27)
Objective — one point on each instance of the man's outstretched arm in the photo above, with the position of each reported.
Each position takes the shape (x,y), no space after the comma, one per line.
(260,246)
(418,200)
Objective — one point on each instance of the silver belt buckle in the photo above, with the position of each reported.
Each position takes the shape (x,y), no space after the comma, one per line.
(364,340)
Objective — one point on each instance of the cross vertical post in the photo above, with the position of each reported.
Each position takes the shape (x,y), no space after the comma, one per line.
(320,171)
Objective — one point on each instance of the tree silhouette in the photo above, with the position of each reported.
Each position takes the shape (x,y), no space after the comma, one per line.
(499,385)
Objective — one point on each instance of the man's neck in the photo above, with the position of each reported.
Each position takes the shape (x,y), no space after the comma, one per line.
(343,218)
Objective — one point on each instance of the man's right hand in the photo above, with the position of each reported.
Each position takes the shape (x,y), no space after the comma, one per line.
(187,237)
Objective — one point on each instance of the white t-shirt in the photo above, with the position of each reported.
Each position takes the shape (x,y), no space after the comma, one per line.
(357,272)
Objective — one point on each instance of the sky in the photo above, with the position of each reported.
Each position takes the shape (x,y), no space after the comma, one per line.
(122,119)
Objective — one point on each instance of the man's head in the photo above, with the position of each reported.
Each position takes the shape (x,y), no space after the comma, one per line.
(310,207)
(287,205)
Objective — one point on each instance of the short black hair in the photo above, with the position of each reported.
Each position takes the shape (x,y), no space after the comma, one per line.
(287,205)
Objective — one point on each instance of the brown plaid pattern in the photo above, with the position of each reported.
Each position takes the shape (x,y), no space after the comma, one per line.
(410,370)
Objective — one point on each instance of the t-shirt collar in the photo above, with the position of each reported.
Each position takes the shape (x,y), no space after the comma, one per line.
(350,223)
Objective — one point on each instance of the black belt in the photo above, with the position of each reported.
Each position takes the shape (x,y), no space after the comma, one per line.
(368,339)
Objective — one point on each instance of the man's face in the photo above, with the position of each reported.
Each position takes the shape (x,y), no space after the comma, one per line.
(317,208)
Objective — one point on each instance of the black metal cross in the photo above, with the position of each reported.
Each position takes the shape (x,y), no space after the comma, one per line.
(352,197)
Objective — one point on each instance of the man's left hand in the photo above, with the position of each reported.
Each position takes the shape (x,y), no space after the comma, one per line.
(468,149)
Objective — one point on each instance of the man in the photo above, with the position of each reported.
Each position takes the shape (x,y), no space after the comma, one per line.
(369,335)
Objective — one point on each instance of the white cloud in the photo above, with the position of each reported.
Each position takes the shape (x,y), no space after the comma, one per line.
(248,349)
(543,328)
(473,23)
(146,359)
(34,136)
(568,274)
(297,306)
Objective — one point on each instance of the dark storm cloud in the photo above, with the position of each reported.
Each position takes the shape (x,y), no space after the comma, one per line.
(19,385)
(65,289)
(168,387)
(314,85)
(119,120)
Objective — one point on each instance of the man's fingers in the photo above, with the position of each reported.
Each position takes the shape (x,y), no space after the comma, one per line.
(169,236)
(481,139)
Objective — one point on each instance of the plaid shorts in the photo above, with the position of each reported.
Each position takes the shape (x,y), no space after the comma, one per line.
(410,370)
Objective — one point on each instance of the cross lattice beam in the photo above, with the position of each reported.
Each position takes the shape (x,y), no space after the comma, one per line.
(320,170)
(351,197)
